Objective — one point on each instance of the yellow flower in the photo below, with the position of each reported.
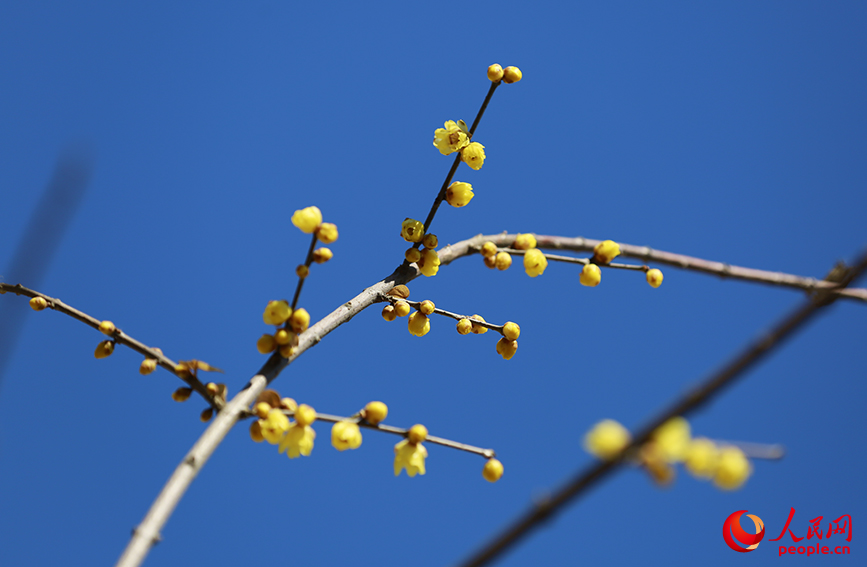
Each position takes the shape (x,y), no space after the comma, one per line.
(535,262)
(285,337)
(322,255)
(606,439)
(417,433)
(493,470)
(429,263)
(299,320)
(297,441)
(450,139)
(651,456)
(148,365)
(502,261)
(511,331)
(495,73)
(302,271)
(401,308)
(524,242)
(672,439)
(277,312)
(733,469)
(430,241)
(38,303)
(274,426)
(427,307)
(474,155)
(104,349)
(507,348)
(654,277)
(702,457)
(345,435)
(307,219)
(375,412)
(412,255)
(327,232)
(479,329)
(606,251)
(182,394)
(409,456)
(107,328)
(305,415)
(464,326)
(419,324)
(489,249)
(459,194)
(412,230)
(388,313)
(590,275)
(256,432)
(512,75)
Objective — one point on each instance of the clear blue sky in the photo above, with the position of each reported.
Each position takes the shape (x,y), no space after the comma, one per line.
(732,131)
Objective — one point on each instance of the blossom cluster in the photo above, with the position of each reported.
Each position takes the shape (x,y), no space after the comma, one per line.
(672,443)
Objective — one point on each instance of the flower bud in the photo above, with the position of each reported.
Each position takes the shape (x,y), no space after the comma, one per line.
(417,434)
(327,232)
(256,432)
(182,394)
(388,313)
(286,351)
(418,324)
(302,271)
(402,308)
(104,349)
(261,409)
(606,251)
(490,262)
(430,241)
(493,470)
(473,155)
(512,75)
(503,260)
(429,263)
(495,73)
(524,242)
(206,415)
(285,337)
(535,262)
(412,255)
(322,255)
(654,277)
(412,230)
(507,348)
(489,249)
(305,415)
(511,331)
(147,366)
(464,326)
(38,303)
(299,320)
(375,412)
(591,275)
(107,328)
(479,329)
(276,312)
(427,307)
(459,194)
(307,219)
(266,344)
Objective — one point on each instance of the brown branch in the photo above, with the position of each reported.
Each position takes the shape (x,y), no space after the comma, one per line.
(585,479)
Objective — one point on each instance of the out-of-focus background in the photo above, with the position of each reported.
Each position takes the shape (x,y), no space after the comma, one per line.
(730,131)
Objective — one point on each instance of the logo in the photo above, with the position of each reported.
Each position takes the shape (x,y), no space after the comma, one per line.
(732,527)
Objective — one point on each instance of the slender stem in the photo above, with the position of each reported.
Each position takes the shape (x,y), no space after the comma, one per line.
(582,261)
(456,316)
(585,479)
(307,263)
(752,450)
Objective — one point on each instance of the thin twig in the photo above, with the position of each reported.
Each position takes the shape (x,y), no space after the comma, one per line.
(456,316)
(307,263)
(121,338)
(585,479)
(582,261)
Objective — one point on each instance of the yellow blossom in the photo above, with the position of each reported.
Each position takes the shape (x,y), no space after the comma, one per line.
(427,307)
(375,412)
(651,456)
(401,308)
(535,262)
(507,348)
(464,326)
(322,255)
(606,251)
(474,155)
(412,255)
(479,329)
(654,277)
(524,242)
(299,320)
(345,435)
(305,415)
(274,426)
(511,331)
(388,313)
(490,262)
(606,439)
(417,433)
(430,241)
(459,194)
(266,344)
(412,230)
(429,263)
(38,303)
(672,439)
(502,261)
(107,328)
(327,232)
(307,219)
(495,73)
(409,456)
(302,271)
(733,469)
(147,366)
(182,394)
(104,349)
(419,324)
(285,337)
(591,275)
(256,432)
(493,470)
(276,312)
(297,441)
(286,351)
(512,75)
(702,457)
(489,249)
(450,139)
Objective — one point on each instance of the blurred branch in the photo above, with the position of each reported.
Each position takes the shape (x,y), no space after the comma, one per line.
(585,479)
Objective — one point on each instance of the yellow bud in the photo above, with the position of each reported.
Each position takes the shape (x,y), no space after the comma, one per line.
(266,344)
(256,432)
(535,262)
(345,434)
(322,255)
(375,412)
(307,219)
(417,434)
(606,251)
(147,366)
(402,308)
(429,263)
(490,262)
(427,307)
(262,409)
(182,394)
(302,271)
(474,155)
(104,349)
(489,249)
(430,241)
(479,329)
(464,326)
(507,348)
(654,277)
(412,255)
(493,470)
(606,439)
(206,415)
(503,260)
(511,331)
(212,388)
(702,457)
(299,320)
(733,469)
(289,404)
(285,337)
(459,194)
(591,275)
(524,242)
(305,415)
(388,313)
(286,351)
(107,328)
(512,75)
(495,73)
(327,232)
(412,230)
(419,324)
(276,312)
(38,303)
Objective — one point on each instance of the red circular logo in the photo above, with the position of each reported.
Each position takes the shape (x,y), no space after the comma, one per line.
(732,527)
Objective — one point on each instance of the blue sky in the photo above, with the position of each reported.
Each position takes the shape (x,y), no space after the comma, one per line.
(730,131)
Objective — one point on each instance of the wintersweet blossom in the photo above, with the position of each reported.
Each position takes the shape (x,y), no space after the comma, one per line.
(345,435)
(410,457)
(474,155)
(412,230)
(276,312)
(274,426)
(375,412)
(307,219)
(493,470)
(450,139)
(606,439)
(429,263)
(702,457)
(606,251)
(591,275)
(535,262)
(733,469)
(672,439)
(297,441)
(459,194)
(419,324)
(654,277)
